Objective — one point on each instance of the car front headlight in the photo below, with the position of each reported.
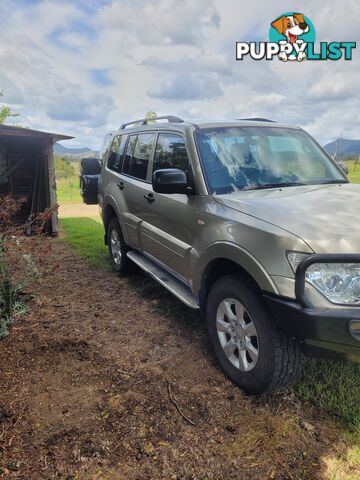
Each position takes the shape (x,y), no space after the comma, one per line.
(338,282)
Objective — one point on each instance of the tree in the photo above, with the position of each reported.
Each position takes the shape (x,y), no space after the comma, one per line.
(64,168)
(6,112)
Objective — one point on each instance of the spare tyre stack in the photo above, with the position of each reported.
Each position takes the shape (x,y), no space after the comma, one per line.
(90,169)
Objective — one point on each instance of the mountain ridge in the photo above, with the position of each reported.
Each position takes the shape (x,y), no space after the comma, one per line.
(344,147)
(80,152)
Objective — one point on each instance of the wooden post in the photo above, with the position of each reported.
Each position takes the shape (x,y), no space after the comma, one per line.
(52,185)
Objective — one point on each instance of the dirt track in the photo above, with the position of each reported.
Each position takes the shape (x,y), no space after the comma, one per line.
(94,379)
(79,210)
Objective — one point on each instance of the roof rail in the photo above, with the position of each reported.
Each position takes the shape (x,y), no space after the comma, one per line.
(145,121)
(257,119)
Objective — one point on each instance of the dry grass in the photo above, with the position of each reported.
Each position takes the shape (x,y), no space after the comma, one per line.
(345,464)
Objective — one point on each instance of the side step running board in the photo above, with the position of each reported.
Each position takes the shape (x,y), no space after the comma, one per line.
(177,288)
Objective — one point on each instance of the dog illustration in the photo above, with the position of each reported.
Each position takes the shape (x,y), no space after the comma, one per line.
(292,27)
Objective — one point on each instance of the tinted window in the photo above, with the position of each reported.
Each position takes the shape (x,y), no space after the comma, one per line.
(117,152)
(129,153)
(138,155)
(105,148)
(170,152)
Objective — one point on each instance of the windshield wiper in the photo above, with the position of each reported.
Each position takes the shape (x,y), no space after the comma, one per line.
(275,185)
(329,182)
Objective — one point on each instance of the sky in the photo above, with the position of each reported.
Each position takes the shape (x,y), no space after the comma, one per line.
(83,67)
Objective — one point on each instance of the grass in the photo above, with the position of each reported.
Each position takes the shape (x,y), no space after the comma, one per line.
(354,172)
(333,387)
(68,189)
(345,466)
(86,236)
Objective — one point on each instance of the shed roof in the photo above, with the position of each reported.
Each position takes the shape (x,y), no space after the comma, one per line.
(28,132)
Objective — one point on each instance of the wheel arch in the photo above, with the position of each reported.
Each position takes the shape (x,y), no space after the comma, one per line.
(109,211)
(223,259)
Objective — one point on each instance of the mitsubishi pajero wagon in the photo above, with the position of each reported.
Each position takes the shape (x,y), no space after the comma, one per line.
(249,221)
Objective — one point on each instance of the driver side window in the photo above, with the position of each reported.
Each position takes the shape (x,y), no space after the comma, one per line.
(170,152)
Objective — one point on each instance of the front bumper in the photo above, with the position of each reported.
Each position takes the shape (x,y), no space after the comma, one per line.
(324,331)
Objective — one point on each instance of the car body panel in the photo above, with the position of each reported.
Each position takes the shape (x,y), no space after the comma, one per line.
(319,214)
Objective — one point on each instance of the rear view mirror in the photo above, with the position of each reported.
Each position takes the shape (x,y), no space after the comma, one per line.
(170,180)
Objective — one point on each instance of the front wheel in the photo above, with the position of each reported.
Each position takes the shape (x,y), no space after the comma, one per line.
(250,349)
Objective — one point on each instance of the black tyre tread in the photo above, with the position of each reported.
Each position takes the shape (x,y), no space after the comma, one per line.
(288,363)
(90,166)
(288,357)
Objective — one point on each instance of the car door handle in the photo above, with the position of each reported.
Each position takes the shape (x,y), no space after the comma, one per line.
(149,197)
(121,185)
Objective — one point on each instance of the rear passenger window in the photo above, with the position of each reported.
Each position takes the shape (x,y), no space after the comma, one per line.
(105,148)
(170,152)
(116,153)
(138,154)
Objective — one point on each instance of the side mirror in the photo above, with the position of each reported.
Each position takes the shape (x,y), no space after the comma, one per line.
(170,180)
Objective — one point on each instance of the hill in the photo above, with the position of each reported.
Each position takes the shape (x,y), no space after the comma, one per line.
(345,147)
(76,153)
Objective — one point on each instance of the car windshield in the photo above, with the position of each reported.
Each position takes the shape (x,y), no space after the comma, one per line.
(251,158)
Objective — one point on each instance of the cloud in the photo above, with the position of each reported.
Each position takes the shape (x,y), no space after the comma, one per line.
(341,85)
(162,21)
(189,87)
(91,111)
(100,76)
(82,67)
(72,36)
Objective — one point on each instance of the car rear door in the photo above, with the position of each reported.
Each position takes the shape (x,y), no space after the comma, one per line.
(111,188)
(135,185)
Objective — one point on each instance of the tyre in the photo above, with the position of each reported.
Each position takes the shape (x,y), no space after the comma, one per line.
(120,263)
(90,170)
(90,166)
(250,349)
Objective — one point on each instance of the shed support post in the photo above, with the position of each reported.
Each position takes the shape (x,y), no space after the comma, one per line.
(52,186)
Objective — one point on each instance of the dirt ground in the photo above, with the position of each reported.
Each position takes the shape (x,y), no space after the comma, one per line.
(112,378)
(78,210)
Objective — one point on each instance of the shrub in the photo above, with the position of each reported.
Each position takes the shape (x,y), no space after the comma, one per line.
(17,265)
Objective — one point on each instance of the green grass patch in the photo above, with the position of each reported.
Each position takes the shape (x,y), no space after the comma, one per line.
(333,387)
(354,172)
(86,236)
(67,181)
(68,190)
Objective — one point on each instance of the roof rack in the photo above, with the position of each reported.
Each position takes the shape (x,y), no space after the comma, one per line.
(257,119)
(145,121)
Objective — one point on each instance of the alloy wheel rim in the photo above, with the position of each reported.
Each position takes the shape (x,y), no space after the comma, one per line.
(115,246)
(237,334)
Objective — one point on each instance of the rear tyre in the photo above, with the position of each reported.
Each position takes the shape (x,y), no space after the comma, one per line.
(90,166)
(90,170)
(250,349)
(120,263)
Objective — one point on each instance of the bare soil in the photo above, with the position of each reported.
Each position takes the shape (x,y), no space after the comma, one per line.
(112,378)
(78,210)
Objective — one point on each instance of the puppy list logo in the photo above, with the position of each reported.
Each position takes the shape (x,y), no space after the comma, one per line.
(292,37)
